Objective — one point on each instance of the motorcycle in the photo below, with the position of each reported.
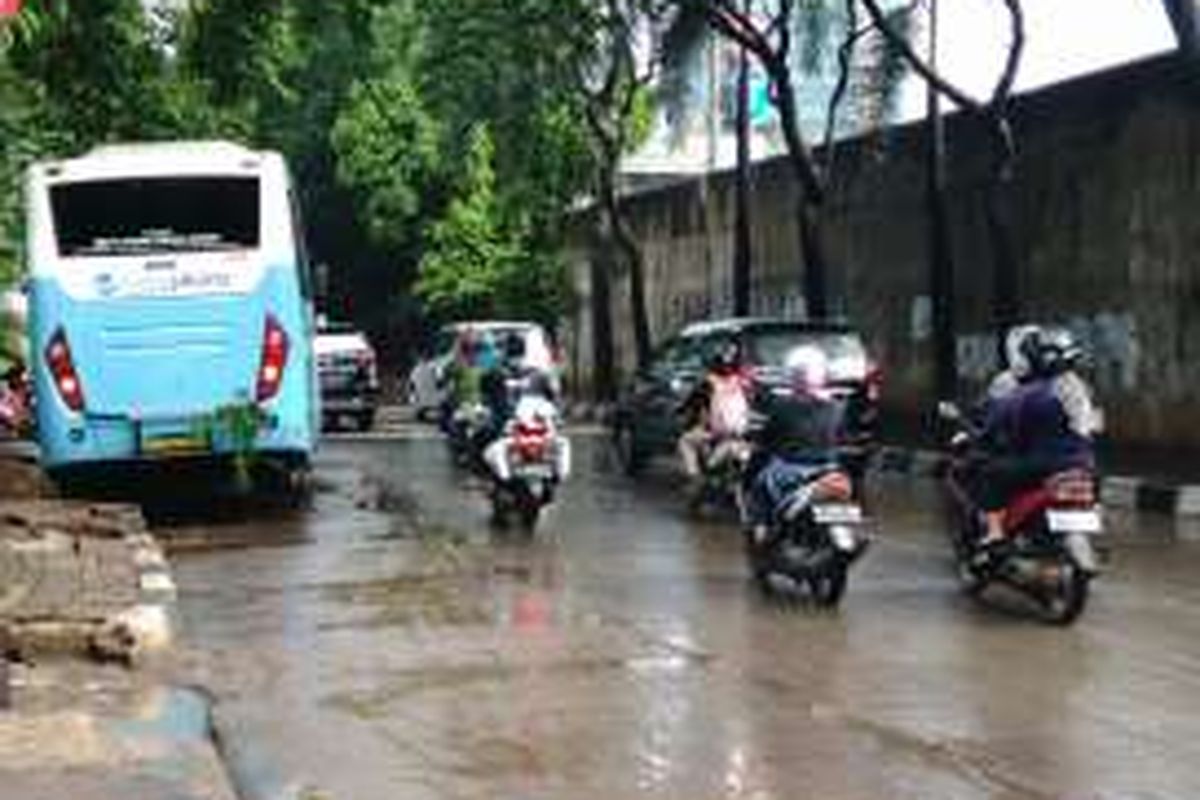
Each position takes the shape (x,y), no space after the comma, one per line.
(463,429)
(816,531)
(722,474)
(16,404)
(1048,554)
(528,462)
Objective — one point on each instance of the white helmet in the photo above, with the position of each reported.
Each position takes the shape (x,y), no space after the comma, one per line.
(808,368)
(1015,351)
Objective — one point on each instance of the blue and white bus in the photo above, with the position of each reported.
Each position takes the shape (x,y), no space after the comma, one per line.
(171,315)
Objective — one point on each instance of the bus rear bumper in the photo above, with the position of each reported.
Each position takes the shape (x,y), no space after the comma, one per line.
(98,439)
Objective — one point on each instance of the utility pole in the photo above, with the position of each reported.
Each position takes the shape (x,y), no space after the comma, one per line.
(742,256)
(941,264)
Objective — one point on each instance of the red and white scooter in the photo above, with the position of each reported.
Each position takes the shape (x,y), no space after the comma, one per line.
(528,462)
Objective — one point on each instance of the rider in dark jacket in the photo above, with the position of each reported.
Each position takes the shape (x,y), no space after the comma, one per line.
(799,435)
(1041,427)
(504,384)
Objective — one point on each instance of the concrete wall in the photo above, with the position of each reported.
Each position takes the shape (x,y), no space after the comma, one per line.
(1108,177)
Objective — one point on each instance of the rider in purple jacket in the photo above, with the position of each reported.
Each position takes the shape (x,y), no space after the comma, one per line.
(1045,425)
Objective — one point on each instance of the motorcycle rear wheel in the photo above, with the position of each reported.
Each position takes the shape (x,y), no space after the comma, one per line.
(1064,606)
(529,513)
(829,585)
(630,456)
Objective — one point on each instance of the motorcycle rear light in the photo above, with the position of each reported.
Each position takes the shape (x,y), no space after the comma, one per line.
(274,360)
(538,428)
(1073,489)
(833,486)
(62,370)
(530,448)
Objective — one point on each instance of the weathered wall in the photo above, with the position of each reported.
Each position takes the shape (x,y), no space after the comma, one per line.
(1108,238)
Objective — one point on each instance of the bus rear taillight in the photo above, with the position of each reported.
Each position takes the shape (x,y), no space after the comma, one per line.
(62,369)
(274,359)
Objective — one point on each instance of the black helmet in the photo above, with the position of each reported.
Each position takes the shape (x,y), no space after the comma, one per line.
(1056,352)
(514,346)
(724,357)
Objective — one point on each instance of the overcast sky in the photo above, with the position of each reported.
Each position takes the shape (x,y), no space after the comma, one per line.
(1064,38)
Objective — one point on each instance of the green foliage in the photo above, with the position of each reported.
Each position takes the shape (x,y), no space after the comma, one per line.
(98,66)
(475,266)
(388,152)
(426,134)
(237,426)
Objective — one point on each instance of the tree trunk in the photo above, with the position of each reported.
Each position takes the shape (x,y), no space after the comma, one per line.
(604,361)
(637,294)
(998,208)
(811,199)
(742,256)
(812,249)
(941,261)
(1006,286)
(631,253)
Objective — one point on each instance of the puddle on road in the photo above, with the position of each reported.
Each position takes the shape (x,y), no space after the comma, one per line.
(431,600)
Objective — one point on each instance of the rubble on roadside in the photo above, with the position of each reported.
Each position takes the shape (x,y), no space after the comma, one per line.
(83,579)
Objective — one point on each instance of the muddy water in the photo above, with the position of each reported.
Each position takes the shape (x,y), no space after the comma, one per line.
(389,644)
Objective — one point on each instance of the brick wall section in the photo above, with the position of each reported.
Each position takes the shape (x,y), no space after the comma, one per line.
(1108,237)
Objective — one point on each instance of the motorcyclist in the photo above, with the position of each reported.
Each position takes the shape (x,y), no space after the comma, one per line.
(505,383)
(1042,426)
(799,434)
(718,408)
(1017,367)
(463,378)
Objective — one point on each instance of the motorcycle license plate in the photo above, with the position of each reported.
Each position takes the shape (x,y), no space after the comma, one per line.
(837,514)
(1074,521)
(535,472)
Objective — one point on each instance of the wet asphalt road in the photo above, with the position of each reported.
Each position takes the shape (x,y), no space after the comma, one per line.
(389,644)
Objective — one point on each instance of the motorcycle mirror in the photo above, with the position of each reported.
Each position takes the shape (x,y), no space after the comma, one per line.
(949,411)
(680,385)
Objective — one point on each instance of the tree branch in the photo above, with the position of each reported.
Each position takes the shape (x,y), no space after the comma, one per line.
(733,23)
(845,54)
(1015,48)
(959,97)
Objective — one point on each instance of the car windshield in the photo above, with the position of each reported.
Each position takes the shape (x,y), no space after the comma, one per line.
(156,215)
(771,348)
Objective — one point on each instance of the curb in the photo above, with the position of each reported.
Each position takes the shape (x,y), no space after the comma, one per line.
(129,635)
(1125,492)
(145,629)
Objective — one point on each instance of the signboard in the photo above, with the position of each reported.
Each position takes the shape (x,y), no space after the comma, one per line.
(9,8)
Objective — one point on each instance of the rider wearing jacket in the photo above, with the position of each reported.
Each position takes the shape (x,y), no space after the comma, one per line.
(718,408)
(802,425)
(1040,427)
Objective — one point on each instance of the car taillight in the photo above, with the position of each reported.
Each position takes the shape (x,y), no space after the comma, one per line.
(62,369)
(274,360)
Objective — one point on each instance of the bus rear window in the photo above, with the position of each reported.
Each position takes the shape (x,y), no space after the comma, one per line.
(155,215)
